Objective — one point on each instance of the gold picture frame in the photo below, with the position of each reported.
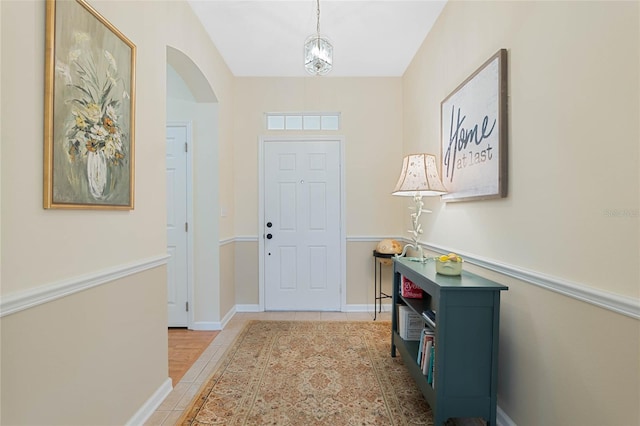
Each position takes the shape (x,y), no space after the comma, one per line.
(89,111)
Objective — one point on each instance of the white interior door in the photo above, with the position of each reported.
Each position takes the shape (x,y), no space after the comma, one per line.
(302,250)
(177,241)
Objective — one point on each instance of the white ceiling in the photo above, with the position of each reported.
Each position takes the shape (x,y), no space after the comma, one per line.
(264,38)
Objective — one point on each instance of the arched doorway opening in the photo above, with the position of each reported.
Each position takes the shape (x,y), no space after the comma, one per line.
(193,279)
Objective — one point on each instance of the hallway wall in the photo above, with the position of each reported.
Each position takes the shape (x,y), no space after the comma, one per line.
(94,357)
(573,163)
(99,355)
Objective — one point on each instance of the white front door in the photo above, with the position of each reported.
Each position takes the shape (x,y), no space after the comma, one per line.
(177,247)
(302,214)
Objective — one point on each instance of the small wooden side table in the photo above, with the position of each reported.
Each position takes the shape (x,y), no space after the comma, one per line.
(377,281)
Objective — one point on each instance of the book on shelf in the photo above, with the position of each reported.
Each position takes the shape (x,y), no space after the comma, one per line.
(427,335)
(430,371)
(426,362)
(420,347)
(430,316)
(410,323)
(409,290)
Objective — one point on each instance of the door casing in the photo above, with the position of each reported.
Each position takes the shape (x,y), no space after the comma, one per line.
(261,225)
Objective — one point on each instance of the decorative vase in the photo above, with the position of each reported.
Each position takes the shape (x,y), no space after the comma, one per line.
(97,170)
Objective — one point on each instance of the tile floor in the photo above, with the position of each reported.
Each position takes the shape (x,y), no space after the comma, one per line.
(172,407)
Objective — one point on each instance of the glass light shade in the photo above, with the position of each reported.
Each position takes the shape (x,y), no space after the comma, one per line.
(419,177)
(318,55)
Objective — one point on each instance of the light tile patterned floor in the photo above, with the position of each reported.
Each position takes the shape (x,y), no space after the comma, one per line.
(174,404)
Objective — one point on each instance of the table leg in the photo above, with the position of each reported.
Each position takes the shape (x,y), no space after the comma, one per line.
(375,289)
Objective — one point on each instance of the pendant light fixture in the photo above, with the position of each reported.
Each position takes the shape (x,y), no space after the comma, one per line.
(318,52)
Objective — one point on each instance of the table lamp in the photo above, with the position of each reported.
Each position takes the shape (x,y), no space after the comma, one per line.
(419,178)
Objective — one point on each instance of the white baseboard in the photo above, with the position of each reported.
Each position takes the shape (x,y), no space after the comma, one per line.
(249,308)
(365,308)
(150,406)
(213,325)
(347,308)
(503,420)
(206,325)
(227,318)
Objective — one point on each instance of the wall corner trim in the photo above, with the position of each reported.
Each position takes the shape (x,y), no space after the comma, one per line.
(502,419)
(26,299)
(150,406)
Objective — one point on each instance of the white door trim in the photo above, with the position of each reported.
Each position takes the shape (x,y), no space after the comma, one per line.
(190,232)
(261,225)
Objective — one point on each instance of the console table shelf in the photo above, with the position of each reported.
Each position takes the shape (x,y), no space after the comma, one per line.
(466,339)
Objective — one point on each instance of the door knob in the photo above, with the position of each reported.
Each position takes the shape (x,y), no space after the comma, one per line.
(269,236)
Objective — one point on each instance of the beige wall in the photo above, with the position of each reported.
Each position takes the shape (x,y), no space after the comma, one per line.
(57,241)
(227,279)
(573,157)
(361,275)
(573,151)
(371,111)
(371,118)
(246,273)
(93,357)
(114,334)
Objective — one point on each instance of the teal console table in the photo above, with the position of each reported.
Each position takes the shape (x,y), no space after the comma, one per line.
(465,368)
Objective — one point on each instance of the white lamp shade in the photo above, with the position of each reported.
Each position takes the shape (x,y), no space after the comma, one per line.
(419,177)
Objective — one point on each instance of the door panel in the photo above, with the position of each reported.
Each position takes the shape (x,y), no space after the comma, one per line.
(177,278)
(302,202)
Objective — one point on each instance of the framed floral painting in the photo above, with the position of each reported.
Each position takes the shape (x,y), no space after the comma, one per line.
(89,110)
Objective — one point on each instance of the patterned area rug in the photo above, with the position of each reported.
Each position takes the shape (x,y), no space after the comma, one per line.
(310,373)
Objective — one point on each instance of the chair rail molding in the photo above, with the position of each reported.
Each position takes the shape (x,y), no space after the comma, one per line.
(351,239)
(26,299)
(618,303)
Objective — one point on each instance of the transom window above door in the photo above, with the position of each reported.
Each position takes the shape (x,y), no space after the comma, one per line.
(303,121)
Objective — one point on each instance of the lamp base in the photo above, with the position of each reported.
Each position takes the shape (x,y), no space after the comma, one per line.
(417,229)
(420,258)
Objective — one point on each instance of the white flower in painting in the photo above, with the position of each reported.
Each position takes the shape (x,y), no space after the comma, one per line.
(110,148)
(111,112)
(93,112)
(111,60)
(93,125)
(74,55)
(111,79)
(81,37)
(63,70)
(99,132)
(80,122)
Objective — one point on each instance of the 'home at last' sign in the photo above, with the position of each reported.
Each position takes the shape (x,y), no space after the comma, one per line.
(474,134)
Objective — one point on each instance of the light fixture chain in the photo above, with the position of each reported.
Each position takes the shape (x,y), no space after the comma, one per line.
(318,15)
